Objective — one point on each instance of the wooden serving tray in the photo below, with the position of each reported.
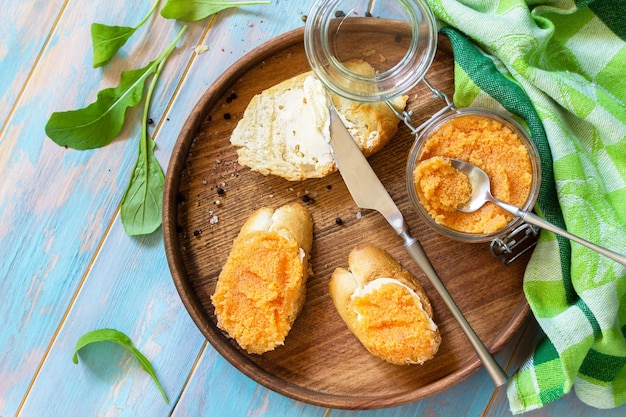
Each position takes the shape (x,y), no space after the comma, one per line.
(208,196)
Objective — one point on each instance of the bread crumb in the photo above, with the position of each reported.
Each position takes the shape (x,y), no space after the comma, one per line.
(200,49)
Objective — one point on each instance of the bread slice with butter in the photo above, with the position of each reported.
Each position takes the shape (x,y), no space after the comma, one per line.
(262,286)
(385,307)
(279,134)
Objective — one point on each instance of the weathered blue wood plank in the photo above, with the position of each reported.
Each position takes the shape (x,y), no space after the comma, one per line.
(218,389)
(24,29)
(56,204)
(129,289)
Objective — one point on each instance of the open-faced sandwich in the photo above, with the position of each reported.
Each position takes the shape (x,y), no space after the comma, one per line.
(385,307)
(262,286)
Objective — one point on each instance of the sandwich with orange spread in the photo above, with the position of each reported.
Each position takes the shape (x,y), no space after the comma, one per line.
(262,286)
(385,307)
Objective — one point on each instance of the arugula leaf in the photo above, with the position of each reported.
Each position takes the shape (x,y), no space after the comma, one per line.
(99,123)
(107,40)
(115,336)
(192,10)
(142,202)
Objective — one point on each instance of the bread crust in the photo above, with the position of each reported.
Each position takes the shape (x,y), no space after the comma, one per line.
(277,134)
(368,263)
(262,287)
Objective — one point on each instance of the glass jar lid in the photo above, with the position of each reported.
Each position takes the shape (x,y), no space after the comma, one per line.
(396,39)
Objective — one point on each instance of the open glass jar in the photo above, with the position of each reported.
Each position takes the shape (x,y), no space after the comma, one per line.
(398,38)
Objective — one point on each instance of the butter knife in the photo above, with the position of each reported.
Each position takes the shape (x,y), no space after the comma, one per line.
(369,193)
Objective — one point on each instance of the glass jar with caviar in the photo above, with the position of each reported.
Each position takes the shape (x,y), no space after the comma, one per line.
(493,142)
(397,39)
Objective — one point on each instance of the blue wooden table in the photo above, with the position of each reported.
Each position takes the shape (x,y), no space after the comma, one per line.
(67,265)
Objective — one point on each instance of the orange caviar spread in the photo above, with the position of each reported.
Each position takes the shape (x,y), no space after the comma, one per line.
(484,142)
(256,293)
(443,186)
(393,325)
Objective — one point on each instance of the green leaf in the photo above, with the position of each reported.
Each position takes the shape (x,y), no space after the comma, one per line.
(192,10)
(99,123)
(115,336)
(142,202)
(107,40)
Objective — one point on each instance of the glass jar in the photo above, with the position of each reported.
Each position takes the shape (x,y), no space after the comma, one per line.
(397,38)
(417,154)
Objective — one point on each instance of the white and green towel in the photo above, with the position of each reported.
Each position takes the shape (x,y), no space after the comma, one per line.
(560,67)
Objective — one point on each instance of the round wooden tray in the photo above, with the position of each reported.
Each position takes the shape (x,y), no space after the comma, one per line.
(208,196)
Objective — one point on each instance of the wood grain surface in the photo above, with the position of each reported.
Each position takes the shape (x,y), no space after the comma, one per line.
(321,361)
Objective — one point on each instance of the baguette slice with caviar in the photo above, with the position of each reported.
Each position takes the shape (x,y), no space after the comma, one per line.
(262,286)
(385,307)
(281,135)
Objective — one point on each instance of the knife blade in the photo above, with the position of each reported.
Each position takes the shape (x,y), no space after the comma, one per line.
(368,192)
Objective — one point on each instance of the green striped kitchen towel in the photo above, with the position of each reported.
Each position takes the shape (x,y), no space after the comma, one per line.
(560,67)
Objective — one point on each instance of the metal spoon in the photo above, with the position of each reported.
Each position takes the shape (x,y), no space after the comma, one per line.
(481,193)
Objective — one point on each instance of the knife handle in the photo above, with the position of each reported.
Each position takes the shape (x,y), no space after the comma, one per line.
(415,249)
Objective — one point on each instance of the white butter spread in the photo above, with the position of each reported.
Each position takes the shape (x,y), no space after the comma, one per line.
(301,254)
(304,142)
(316,97)
(375,285)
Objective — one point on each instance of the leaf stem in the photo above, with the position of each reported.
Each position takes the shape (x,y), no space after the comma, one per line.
(172,45)
(145,19)
(143,140)
(146,107)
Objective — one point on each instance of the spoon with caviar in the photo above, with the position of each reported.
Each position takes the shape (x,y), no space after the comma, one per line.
(481,193)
